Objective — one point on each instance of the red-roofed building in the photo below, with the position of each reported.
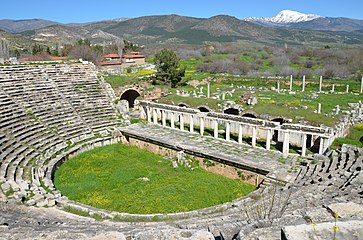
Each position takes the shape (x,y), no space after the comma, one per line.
(130,59)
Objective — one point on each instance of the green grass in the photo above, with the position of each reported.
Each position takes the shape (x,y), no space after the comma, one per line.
(107,178)
(354,137)
(119,81)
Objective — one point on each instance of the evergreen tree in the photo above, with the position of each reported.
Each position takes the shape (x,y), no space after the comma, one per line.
(168,68)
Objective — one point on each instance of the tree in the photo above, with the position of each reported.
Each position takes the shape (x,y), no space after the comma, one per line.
(168,68)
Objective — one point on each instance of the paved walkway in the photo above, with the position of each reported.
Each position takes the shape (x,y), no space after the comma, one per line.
(255,159)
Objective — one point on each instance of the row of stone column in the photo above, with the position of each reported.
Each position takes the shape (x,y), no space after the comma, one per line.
(320,85)
(152,116)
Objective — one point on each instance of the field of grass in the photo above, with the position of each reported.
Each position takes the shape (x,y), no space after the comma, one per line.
(108,178)
(354,137)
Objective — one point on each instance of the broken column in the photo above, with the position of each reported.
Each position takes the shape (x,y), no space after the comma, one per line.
(303,84)
(278,86)
(191,123)
(319,107)
(290,83)
(361,85)
(208,90)
(320,83)
(347,88)
(332,88)
(337,109)
(148,113)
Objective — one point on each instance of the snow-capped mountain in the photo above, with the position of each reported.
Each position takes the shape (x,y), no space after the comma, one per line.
(284,17)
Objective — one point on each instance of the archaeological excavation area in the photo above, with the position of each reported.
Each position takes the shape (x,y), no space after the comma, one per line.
(53,113)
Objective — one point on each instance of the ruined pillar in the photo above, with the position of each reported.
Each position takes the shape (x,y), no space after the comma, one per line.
(240,134)
(303,84)
(254,136)
(163,118)
(319,107)
(215,128)
(290,83)
(321,145)
(361,85)
(303,148)
(172,120)
(201,125)
(155,116)
(332,87)
(347,88)
(181,122)
(191,123)
(228,131)
(268,139)
(278,86)
(148,113)
(208,90)
(285,145)
(320,83)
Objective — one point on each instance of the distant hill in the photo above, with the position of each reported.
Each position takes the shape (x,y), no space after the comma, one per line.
(16,26)
(16,41)
(292,19)
(173,30)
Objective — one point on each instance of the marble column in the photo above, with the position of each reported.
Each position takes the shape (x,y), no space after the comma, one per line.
(228,131)
(163,117)
(155,116)
(361,85)
(191,123)
(201,125)
(290,83)
(285,145)
(278,86)
(208,90)
(319,107)
(303,148)
(148,113)
(321,145)
(347,88)
(320,83)
(215,128)
(181,122)
(254,136)
(172,120)
(303,84)
(333,88)
(268,139)
(240,134)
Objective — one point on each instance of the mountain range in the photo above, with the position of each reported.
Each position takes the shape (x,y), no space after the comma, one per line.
(287,27)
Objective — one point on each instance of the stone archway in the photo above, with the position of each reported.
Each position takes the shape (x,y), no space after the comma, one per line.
(183,105)
(249,115)
(231,111)
(203,109)
(130,95)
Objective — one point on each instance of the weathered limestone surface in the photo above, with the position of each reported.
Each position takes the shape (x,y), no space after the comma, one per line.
(258,160)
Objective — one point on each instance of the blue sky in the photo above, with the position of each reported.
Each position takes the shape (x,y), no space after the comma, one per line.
(67,11)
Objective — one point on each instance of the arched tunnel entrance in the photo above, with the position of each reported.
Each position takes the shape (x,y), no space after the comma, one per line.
(203,109)
(231,111)
(275,135)
(249,115)
(130,95)
(183,105)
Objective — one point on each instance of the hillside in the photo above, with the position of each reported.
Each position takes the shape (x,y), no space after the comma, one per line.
(16,26)
(174,29)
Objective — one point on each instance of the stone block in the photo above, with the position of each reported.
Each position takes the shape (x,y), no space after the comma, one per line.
(5,187)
